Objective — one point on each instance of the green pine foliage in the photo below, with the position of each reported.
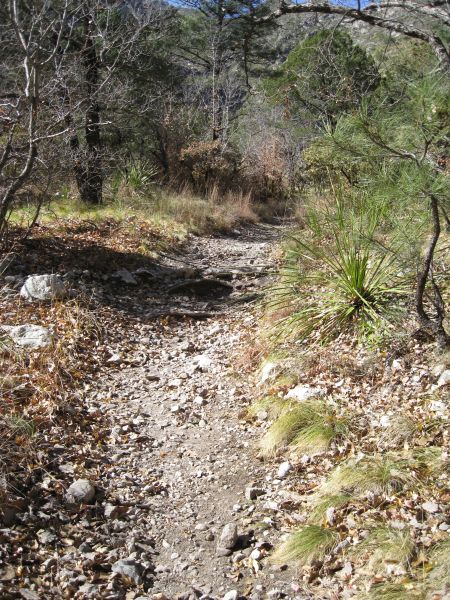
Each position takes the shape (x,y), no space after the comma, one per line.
(325,75)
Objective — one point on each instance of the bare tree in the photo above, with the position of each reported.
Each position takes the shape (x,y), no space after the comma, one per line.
(64,63)
(225,50)
(104,39)
(31,39)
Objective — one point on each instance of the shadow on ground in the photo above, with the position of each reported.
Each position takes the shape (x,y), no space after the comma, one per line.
(173,283)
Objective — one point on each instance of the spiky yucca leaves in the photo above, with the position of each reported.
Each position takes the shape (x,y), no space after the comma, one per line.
(306,426)
(329,284)
(308,544)
(139,175)
(385,545)
(378,475)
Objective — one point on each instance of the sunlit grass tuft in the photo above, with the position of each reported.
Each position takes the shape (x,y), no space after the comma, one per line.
(273,405)
(377,475)
(430,461)
(440,559)
(305,427)
(310,543)
(324,503)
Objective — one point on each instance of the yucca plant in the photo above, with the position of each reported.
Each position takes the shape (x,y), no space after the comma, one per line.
(308,544)
(139,174)
(306,427)
(345,279)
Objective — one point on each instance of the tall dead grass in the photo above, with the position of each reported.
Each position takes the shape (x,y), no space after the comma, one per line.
(168,209)
(216,211)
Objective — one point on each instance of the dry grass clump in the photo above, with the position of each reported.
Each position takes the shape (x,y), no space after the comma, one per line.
(430,461)
(401,429)
(429,584)
(385,545)
(324,503)
(439,575)
(376,475)
(215,212)
(308,426)
(309,544)
(395,591)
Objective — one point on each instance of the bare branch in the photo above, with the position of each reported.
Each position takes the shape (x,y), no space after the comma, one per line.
(366,15)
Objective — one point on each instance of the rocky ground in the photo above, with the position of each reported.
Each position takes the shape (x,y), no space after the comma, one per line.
(168,499)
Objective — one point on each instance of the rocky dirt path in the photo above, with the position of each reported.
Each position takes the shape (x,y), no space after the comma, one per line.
(182,463)
(150,484)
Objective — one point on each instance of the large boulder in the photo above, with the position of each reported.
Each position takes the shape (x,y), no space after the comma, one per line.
(43,287)
(28,336)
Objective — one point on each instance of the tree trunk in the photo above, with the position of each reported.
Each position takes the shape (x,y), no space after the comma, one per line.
(90,183)
(434,326)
